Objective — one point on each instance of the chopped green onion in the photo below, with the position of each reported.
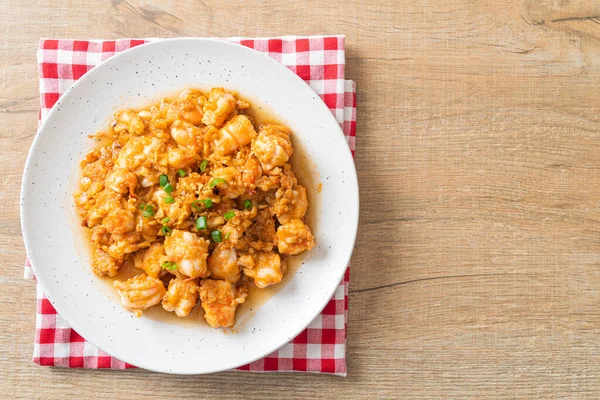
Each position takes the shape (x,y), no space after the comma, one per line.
(201,223)
(207,204)
(216,236)
(148,210)
(169,199)
(203,165)
(181,172)
(228,215)
(215,182)
(171,266)
(166,230)
(227,235)
(165,220)
(163,180)
(248,205)
(168,188)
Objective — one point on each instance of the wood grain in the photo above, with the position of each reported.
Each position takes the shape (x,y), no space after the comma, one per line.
(476,271)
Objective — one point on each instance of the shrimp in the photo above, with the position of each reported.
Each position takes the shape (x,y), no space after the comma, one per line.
(263,267)
(127,243)
(119,221)
(222,264)
(152,260)
(219,300)
(84,198)
(140,292)
(218,107)
(181,296)
(186,107)
(96,165)
(100,236)
(127,120)
(293,204)
(189,252)
(294,237)
(122,181)
(181,158)
(251,172)
(137,151)
(105,202)
(272,147)
(147,228)
(186,134)
(236,133)
(105,265)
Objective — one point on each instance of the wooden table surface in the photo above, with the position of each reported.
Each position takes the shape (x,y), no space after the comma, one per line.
(476,269)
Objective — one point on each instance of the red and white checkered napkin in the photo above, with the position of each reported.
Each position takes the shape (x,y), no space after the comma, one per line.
(319,60)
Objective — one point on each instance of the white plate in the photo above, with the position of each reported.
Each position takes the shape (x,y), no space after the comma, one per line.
(60,258)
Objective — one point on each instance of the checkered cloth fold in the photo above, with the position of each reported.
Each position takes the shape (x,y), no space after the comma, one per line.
(319,60)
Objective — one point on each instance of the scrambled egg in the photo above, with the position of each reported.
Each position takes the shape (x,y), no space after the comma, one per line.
(199,198)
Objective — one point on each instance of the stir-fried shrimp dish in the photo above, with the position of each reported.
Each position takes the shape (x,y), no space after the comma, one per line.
(197,197)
